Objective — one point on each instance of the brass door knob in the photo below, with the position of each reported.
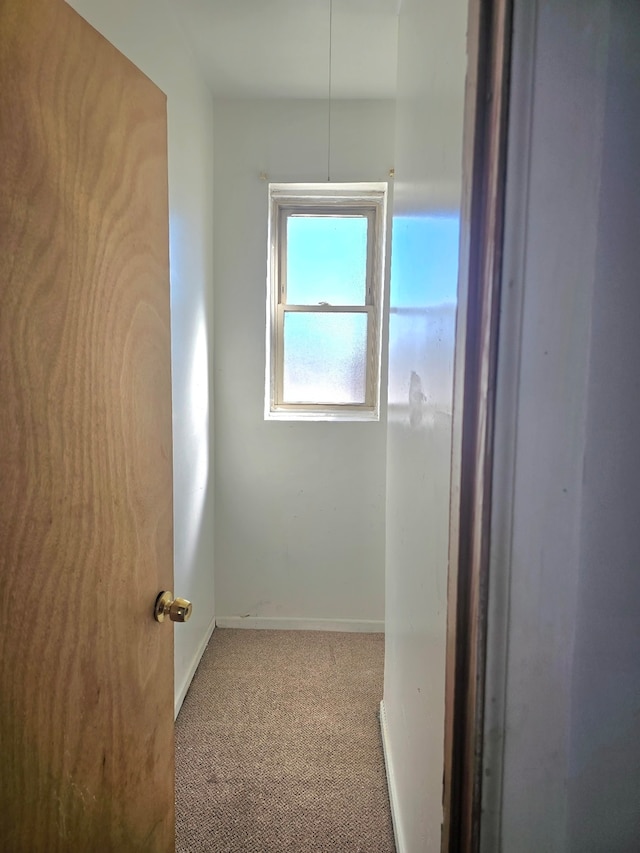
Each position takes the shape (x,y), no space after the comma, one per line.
(177,609)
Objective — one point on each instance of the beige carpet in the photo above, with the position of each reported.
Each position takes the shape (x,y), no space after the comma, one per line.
(278,746)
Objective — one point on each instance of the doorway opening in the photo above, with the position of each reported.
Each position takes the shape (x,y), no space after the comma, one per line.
(316,525)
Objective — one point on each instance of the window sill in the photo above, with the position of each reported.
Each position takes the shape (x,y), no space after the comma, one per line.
(352,415)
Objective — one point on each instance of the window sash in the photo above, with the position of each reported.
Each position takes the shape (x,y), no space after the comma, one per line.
(364,210)
(370,389)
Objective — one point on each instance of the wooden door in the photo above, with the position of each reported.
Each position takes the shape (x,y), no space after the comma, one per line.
(86,674)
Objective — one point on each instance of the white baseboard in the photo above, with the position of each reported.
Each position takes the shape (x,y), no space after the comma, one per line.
(280,623)
(191,671)
(401,847)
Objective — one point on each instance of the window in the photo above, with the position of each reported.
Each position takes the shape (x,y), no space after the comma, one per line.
(324,301)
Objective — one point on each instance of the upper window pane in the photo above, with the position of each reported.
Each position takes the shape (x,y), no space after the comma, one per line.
(326,260)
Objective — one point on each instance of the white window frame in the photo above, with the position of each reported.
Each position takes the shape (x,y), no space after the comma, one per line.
(369,199)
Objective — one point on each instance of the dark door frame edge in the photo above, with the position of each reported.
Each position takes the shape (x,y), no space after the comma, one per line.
(482,219)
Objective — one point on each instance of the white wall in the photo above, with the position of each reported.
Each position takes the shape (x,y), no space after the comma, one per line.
(299,506)
(431,73)
(146,32)
(566,564)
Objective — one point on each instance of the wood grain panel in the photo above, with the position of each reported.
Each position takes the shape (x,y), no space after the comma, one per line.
(86,675)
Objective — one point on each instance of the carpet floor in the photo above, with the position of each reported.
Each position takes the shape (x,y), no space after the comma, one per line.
(278,746)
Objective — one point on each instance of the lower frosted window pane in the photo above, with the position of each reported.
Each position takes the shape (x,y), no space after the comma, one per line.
(325,358)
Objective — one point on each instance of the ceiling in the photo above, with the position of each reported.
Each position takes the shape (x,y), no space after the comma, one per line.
(280,48)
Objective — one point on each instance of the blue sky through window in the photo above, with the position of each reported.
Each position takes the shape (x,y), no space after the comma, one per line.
(325,354)
(326,260)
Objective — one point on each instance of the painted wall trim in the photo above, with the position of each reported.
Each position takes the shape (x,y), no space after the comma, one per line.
(394,800)
(191,669)
(285,623)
